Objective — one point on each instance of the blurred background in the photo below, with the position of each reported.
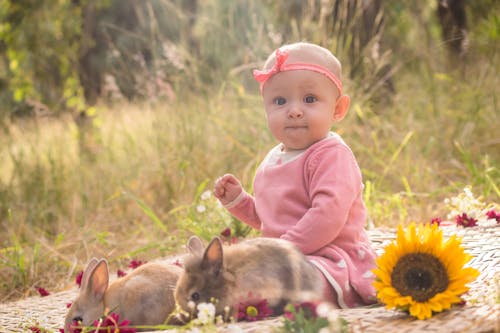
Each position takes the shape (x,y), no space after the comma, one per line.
(116,117)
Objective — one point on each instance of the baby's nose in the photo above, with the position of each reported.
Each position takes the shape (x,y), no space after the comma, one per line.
(295,111)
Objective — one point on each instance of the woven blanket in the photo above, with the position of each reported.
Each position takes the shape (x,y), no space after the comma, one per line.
(480,314)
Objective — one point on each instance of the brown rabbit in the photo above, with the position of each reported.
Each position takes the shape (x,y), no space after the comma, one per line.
(257,269)
(144,296)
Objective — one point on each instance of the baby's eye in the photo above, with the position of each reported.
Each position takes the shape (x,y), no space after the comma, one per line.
(310,99)
(279,101)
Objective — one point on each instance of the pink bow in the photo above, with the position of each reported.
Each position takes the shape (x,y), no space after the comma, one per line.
(264,75)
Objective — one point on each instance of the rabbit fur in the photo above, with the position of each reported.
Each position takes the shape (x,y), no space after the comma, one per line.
(256,269)
(144,296)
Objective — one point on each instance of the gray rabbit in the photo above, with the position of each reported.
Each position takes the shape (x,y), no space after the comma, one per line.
(256,269)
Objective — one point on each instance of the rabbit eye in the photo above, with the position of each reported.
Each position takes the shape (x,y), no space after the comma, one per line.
(195,296)
(78,319)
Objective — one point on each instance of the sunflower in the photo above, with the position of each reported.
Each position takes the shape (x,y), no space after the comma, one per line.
(420,273)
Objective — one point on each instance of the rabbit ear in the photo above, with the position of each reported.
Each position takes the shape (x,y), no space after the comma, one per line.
(212,258)
(195,246)
(86,273)
(98,280)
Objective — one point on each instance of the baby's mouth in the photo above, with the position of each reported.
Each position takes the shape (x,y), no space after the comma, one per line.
(296,127)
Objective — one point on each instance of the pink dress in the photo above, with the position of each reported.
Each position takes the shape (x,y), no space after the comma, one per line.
(313,198)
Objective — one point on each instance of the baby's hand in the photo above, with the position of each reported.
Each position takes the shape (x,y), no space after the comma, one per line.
(227,188)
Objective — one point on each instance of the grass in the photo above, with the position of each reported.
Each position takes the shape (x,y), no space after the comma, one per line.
(133,183)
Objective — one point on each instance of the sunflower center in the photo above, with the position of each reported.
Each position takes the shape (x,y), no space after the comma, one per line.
(419,275)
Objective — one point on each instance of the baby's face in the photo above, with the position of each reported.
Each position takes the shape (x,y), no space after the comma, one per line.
(300,107)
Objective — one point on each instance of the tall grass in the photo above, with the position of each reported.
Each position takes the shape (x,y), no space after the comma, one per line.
(133,184)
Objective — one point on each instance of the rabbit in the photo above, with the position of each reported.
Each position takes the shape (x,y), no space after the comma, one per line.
(256,269)
(145,296)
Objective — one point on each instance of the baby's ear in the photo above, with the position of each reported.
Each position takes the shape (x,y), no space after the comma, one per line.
(341,107)
(213,257)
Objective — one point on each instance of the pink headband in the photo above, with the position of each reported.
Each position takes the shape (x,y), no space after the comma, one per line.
(280,66)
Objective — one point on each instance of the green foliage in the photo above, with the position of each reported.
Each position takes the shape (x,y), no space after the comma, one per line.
(39,44)
(149,212)
(15,261)
(303,318)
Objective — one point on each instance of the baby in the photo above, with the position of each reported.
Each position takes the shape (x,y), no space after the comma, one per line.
(308,189)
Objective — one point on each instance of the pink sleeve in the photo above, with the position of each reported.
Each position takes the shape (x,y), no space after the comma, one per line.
(245,211)
(334,182)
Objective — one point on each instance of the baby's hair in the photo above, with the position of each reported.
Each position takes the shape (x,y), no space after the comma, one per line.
(308,53)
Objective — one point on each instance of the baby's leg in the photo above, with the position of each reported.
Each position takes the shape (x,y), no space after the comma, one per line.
(329,293)
(336,286)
